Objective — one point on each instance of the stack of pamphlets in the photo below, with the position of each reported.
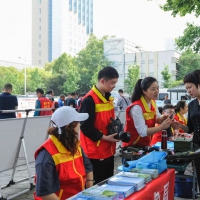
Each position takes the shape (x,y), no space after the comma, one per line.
(152,172)
(147,177)
(138,183)
(123,191)
(96,193)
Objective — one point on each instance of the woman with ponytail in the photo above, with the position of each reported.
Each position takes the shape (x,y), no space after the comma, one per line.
(181,108)
(62,168)
(143,113)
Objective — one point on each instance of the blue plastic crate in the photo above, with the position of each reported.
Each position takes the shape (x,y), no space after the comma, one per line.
(183,187)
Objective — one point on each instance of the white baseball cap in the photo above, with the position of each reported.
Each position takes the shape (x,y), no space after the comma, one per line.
(65,115)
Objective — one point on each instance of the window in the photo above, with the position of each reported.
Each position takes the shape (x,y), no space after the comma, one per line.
(75,6)
(74,50)
(70,5)
(39,44)
(40,11)
(40,1)
(39,62)
(39,36)
(39,53)
(40,28)
(70,41)
(40,19)
(70,49)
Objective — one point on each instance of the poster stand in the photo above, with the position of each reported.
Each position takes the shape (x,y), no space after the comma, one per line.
(20,143)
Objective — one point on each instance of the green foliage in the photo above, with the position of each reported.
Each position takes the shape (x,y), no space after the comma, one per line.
(176,83)
(188,62)
(89,59)
(132,77)
(166,77)
(95,75)
(13,76)
(182,7)
(191,37)
(64,75)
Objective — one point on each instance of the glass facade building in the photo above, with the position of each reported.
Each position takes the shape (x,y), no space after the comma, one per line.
(54,29)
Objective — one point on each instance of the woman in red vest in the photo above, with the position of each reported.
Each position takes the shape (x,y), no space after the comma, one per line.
(181,108)
(62,168)
(142,114)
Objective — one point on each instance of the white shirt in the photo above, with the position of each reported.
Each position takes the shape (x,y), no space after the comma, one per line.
(139,121)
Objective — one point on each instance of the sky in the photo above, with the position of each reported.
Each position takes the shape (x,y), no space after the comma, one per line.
(139,21)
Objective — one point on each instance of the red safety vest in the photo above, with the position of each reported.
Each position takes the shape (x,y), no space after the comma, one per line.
(178,118)
(104,110)
(70,169)
(157,137)
(45,103)
(150,119)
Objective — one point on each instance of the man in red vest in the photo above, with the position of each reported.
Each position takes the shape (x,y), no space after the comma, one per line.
(42,102)
(97,144)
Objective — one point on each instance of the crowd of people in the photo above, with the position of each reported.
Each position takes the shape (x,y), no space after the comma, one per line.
(65,165)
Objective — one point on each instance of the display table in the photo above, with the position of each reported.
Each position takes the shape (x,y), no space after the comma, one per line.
(160,188)
(157,189)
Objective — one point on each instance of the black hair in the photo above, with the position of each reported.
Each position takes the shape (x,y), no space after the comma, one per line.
(108,73)
(68,136)
(160,109)
(72,93)
(49,92)
(7,86)
(141,84)
(62,95)
(179,105)
(168,106)
(192,77)
(39,90)
(120,91)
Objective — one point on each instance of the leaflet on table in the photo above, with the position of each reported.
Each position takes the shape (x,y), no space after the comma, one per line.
(96,193)
(147,177)
(119,180)
(152,172)
(123,191)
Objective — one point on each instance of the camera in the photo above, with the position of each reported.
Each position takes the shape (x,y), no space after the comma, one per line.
(117,127)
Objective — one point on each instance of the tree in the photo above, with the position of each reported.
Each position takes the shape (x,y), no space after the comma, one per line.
(13,76)
(89,59)
(166,77)
(188,62)
(176,83)
(64,75)
(191,37)
(132,77)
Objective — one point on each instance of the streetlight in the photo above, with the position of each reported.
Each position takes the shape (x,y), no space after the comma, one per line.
(24,59)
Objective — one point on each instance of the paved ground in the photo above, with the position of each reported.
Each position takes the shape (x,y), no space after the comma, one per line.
(21,173)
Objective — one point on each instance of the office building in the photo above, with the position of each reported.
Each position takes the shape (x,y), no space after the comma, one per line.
(59,26)
(123,53)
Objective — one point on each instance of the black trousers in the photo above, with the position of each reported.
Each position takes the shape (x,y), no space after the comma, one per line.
(197,165)
(102,168)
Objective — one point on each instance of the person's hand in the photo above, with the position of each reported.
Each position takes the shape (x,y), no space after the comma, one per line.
(166,123)
(176,125)
(110,138)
